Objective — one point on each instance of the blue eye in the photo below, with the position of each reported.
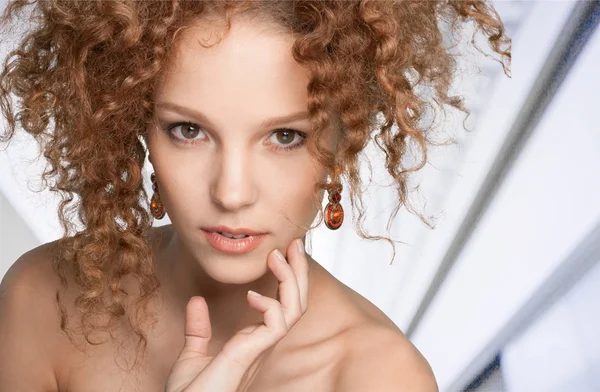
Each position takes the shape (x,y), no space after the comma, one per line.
(287,139)
(185,132)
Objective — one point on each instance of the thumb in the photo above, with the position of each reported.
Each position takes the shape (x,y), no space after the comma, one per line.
(197,328)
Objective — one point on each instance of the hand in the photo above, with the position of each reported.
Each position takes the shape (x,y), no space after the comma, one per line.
(195,371)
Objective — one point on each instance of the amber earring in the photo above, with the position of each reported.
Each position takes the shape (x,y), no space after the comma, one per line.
(334,213)
(157,209)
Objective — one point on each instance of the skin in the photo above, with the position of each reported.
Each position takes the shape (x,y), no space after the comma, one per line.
(241,358)
(230,175)
(229,169)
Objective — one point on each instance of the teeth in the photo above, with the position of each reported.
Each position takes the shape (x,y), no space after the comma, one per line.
(237,237)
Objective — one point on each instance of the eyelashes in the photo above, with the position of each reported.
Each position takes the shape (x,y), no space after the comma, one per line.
(190,129)
(186,133)
(290,146)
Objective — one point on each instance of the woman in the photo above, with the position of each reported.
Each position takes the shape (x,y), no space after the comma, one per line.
(250,113)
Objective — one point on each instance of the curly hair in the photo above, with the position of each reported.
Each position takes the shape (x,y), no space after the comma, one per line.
(81,80)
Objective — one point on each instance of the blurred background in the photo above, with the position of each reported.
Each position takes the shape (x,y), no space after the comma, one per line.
(504,293)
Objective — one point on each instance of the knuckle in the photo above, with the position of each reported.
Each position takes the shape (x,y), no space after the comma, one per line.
(277,304)
(281,332)
(296,318)
(274,303)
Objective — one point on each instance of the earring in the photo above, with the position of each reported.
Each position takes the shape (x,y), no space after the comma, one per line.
(157,209)
(334,213)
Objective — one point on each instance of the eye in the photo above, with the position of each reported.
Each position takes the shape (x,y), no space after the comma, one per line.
(287,139)
(185,132)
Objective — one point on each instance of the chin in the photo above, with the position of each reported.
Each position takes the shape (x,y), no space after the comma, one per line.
(235,270)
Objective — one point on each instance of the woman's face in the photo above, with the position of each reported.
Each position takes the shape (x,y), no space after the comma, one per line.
(228,148)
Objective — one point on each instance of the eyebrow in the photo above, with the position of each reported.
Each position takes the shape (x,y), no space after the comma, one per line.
(268,123)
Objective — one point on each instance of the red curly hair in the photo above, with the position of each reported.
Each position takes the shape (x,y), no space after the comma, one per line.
(81,80)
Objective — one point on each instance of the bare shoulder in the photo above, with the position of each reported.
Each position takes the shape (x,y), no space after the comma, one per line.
(376,355)
(31,275)
(31,281)
(382,359)
(28,322)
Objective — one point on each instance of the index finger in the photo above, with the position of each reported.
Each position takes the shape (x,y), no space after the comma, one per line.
(298,261)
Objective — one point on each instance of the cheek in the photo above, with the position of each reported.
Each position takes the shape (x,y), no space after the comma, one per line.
(178,173)
(297,197)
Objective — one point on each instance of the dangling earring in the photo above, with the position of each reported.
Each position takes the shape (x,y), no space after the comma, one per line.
(157,209)
(334,213)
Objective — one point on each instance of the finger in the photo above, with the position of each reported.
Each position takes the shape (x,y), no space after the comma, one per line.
(221,374)
(289,293)
(273,316)
(197,328)
(249,343)
(226,370)
(298,261)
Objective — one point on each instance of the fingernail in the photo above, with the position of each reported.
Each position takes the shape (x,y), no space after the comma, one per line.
(280,256)
(254,293)
(300,245)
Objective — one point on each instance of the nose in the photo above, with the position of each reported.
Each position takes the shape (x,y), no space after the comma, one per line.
(233,187)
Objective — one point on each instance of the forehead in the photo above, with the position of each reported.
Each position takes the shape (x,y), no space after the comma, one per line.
(250,69)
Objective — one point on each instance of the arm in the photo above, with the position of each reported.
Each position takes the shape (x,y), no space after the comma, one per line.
(389,364)
(26,327)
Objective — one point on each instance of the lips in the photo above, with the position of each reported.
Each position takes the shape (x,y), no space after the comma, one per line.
(229,230)
(217,237)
